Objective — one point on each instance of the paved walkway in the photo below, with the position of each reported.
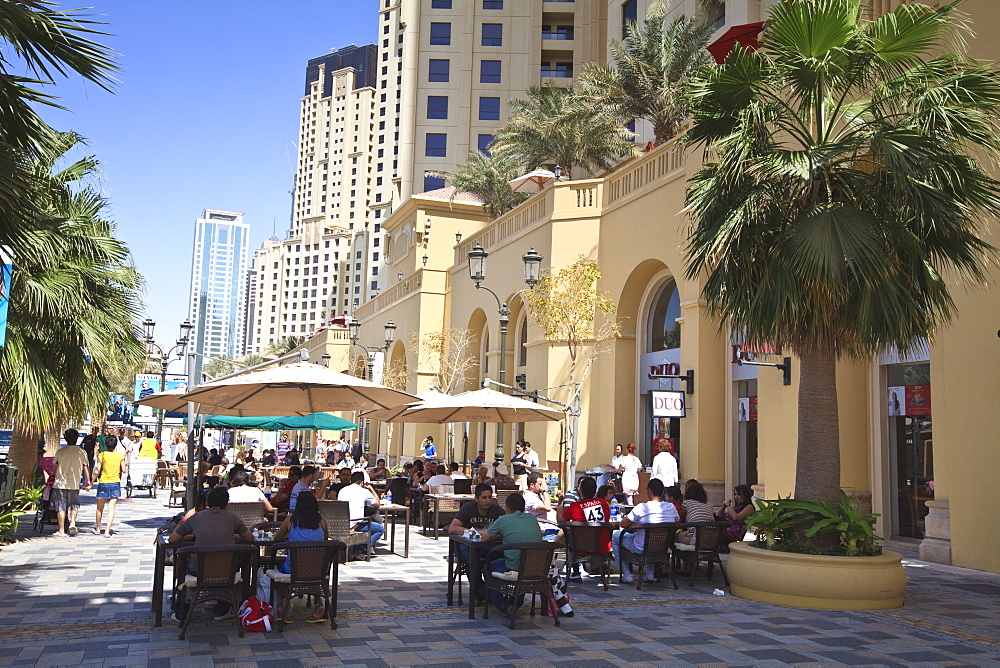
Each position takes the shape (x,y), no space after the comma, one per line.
(85,600)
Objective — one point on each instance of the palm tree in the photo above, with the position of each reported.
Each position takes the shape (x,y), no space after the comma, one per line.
(650,73)
(38,39)
(218,366)
(489,177)
(284,345)
(845,182)
(554,125)
(73,308)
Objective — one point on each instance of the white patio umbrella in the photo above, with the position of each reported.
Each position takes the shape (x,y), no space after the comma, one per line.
(532,182)
(292,389)
(392,414)
(478,406)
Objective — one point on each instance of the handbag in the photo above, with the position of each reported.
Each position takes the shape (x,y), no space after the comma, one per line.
(255,615)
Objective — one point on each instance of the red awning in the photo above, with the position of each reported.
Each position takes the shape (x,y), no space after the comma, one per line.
(745,34)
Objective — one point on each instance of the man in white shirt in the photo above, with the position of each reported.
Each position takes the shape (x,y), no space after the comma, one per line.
(538,503)
(456,474)
(654,511)
(304,484)
(439,477)
(531,456)
(664,464)
(360,495)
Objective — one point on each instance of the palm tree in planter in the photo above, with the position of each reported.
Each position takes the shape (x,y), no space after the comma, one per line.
(845,179)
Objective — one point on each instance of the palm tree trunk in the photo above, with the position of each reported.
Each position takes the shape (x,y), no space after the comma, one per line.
(817,465)
(24,454)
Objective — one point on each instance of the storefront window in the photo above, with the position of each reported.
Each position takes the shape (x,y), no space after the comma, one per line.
(911,446)
(746,430)
(664,330)
(661,356)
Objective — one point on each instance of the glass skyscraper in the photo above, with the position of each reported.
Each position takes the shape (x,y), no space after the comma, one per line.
(218,274)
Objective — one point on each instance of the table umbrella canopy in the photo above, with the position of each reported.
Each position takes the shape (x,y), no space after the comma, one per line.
(478,406)
(293,389)
(280,423)
(532,182)
(392,414)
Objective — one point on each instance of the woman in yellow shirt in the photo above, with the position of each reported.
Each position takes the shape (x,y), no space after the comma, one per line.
(108,474)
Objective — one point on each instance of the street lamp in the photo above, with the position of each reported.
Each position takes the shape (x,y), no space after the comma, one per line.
(354,333)
(477,272)
(148,327)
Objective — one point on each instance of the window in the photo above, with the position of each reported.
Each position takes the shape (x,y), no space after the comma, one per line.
(437,106)
(436,144)
(489,109)
(629,15)
(441,34)
(557,70)
(440,4)
(484,142)
(557,32)
(489,71)
(433,183)
(492,4)
(492,34)
(438,70)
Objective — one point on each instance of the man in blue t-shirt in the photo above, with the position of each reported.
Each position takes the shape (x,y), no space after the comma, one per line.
(430,452)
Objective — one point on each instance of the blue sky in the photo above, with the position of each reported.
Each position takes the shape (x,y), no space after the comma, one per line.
(208,100)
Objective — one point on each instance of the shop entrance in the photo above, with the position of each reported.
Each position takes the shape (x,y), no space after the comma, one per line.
(911,446)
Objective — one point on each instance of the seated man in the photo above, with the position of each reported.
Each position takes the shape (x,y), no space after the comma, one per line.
(210,527)
(589,509)
(479,515)
(360,495)
(455,473)
(440,477)
(214,459)
(268,459)
(241,492)
(342,481)
(516,526)
(480,458)
(303,485)
(380,472)
(654,511)
(283,498)
(538,503)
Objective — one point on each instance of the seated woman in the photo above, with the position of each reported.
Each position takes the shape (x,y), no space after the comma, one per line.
(304,523)
(695,509)
(736,511)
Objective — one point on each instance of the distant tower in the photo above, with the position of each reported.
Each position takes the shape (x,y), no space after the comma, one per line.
(218,285)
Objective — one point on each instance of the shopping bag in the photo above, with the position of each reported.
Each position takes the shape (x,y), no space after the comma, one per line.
(263,585)
(560,594)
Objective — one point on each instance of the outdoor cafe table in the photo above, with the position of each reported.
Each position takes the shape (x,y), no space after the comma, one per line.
(455,541)
(394,510)
(436,499)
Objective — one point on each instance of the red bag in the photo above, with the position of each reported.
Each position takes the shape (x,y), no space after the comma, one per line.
(255,615)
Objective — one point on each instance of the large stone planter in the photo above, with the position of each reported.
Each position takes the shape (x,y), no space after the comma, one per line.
(813,581)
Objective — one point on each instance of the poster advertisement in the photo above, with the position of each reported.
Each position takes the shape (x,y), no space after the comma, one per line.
(145,385)
(6,269)
(895,397)
(747,409)
(119,410)
(918,400)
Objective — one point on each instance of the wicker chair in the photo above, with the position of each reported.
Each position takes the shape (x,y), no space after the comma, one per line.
(339,523)
(532,576)
(501,495)
(178,489)
(251,512)
(656,550)
(585,542)
(217,578)
(463,486)
(708,538)
(447,509)
(311,561)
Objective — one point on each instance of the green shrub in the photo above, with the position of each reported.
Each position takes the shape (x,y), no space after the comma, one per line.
(775,520)
(28,498)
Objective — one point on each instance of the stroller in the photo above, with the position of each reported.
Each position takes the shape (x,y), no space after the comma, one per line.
(45,515)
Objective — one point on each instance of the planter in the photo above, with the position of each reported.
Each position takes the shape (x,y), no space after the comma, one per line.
(814,581)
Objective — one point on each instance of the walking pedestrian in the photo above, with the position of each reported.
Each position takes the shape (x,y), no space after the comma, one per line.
(108,476)
(69,467)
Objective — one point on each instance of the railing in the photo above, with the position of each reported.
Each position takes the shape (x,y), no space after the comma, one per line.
(660,163)
(403,288)
(556,74)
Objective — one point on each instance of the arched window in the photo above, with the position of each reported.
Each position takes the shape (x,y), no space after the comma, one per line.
(486,353)
(522,348)
(663,332)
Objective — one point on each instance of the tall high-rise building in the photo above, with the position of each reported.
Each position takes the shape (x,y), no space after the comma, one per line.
(314,273)
(218,284)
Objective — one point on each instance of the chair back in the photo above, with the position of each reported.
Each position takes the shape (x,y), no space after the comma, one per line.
(589,537)
(442,489)
(659,538)
(535,562)
(280,471)
(216,566)
(337,515)
(251,512)
(400,488)
(501,496)
(708,535)
(463,486)
(310,559)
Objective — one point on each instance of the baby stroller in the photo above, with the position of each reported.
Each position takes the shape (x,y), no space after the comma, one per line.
(45,515)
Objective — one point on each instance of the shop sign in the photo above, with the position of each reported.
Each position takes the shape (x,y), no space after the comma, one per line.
(668,404)
(747,409)
(660,363)
(909,400)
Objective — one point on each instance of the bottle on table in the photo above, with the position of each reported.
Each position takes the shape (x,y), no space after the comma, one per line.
(615,512)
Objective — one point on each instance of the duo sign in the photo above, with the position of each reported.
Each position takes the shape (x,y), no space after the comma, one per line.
(668,404)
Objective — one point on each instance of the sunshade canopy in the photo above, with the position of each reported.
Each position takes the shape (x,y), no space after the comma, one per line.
(478,406)
(280,423)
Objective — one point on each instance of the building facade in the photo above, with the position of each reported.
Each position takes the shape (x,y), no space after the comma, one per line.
(217,306)
(916,444)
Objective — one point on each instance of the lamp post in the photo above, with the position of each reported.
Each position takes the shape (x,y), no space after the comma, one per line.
(354,332)
(477,272)
(148,327)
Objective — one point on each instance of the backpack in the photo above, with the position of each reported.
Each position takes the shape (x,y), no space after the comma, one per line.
(255,615)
